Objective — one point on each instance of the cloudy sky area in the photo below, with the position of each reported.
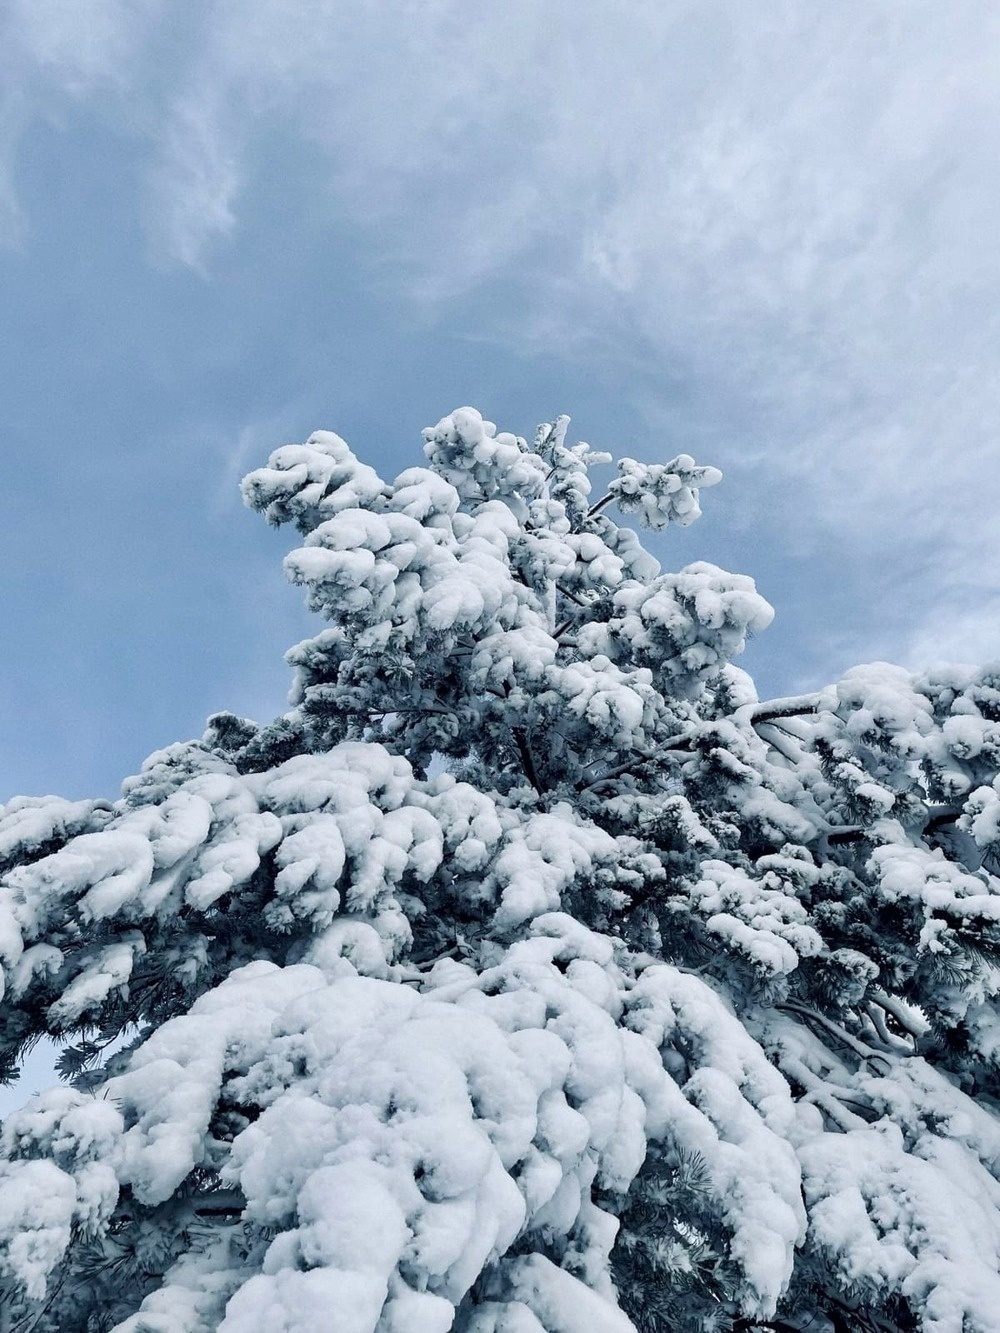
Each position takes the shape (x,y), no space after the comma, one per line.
(767,234)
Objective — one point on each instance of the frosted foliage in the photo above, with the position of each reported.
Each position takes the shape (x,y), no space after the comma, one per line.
(756,918)
(738,1119)
(307,483)
(925,1226)
(29,825)
(662,493)
(529,974)
(487,590)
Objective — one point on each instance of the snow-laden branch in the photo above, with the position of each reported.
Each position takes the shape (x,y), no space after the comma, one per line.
(797,705)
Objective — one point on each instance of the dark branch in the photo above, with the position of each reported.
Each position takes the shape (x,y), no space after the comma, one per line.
(941,820)
(844,835)
(602,503)
(794,706)
(527,762)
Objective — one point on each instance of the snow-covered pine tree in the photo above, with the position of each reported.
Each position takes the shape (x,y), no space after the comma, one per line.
(528,975)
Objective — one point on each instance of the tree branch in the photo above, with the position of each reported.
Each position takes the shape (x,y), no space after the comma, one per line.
(670,745)
(892,1043)
(602,503)
(860,1048)
(527,762)
(940,820)
(782,742)
(820,1093)
(907,1018)
(835,836)
(792,706)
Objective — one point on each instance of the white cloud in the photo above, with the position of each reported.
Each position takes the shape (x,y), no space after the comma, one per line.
(194,186)
(798,205)
(956,630)
(12,220)
(75,46)
(53,52)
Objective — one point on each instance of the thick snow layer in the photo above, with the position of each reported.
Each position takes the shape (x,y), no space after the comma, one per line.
(923,1222)
(735,1110)
(403,1137)
(757,918)
(344,828)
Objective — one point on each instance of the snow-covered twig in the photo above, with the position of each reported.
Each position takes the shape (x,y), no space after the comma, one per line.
(821,1094)
(794,705)
(905,1015)
(781,743)
(860,1048)
(894,1044)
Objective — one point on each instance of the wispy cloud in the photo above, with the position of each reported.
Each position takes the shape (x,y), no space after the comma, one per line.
(54,53)
(195,183)
(12,220)
(76,46)
(799,206)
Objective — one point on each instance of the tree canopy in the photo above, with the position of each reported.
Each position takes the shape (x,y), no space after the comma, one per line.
(529,974)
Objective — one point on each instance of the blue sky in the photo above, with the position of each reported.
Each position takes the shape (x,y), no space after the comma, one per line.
(765,234)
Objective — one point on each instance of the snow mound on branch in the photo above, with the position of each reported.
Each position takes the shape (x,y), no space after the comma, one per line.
(734,1109)
(306,483)
(755,917)
(925,1224)
(405,1140)
(29,824)
(944,894)
(57,1175)
(662,493)
(480,463)
(681,626)
(343,832)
